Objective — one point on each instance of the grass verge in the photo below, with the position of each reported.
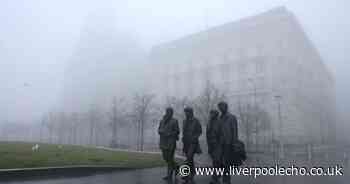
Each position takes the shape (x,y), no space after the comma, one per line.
(20,155)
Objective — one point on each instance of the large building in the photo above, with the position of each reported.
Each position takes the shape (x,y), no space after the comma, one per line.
(265,60)
(98,69)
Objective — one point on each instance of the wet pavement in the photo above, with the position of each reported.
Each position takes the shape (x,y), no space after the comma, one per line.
(153,176)
(143,176)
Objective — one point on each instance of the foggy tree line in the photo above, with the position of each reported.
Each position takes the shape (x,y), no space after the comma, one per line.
(132,122)
(122,124)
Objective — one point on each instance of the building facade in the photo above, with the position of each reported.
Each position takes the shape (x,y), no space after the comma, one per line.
(98,69)
(263,61)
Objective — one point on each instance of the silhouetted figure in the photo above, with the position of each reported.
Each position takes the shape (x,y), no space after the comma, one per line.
(228,136)
(192,129)
(169,133)
(213,141)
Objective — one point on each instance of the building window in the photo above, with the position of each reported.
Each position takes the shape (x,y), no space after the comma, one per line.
(207,73)
(225,72)
(260,65)
(176,84)
(242,68)
(260,82)
(189,81)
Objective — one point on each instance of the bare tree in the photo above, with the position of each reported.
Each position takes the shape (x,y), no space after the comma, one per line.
(255,121)
(141,111)
(178,104)
(44,121)
(49,123)
(93,119)
(74,123)
(264,125)
(62,127)
(116,117)
(208,100)
(246,118)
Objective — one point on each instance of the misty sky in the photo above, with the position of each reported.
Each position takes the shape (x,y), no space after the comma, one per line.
(37,38)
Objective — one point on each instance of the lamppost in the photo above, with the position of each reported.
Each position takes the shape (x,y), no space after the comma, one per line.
(255,113)
(278,99)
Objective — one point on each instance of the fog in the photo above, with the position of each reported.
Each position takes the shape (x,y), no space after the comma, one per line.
(39,40)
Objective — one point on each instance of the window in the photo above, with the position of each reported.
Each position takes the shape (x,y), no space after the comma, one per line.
(260,65)
(225,72)
(242,68)
(260,82)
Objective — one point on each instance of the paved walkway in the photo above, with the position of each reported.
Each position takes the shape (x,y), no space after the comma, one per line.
(144,176)
(153,176)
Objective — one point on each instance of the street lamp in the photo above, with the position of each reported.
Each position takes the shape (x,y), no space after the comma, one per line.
(278,99)
(255,113)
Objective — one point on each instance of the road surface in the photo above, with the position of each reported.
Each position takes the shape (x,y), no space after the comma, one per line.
(153,176)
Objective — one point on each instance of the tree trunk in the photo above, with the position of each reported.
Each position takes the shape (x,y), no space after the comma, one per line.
(142,135)
(91,133)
